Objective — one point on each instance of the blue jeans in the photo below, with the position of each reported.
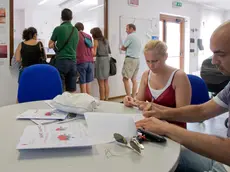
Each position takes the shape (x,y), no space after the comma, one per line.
(68,73)
(192,162)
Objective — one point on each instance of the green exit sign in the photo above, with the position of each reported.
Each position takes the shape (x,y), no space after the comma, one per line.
(177,4)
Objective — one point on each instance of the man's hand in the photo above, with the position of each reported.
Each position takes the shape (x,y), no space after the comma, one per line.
(51,44)
(153,125)
(123,48)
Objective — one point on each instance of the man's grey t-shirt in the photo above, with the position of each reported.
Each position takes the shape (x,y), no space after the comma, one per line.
(223,100)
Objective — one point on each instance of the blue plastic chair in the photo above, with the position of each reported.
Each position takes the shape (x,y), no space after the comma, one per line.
(199,90)
(39,82)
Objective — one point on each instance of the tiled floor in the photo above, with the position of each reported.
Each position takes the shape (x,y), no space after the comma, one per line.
(213,126)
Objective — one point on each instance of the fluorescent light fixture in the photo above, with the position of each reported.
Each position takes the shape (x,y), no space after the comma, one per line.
(99,6)
(86,3)
(42,2)
(70,3)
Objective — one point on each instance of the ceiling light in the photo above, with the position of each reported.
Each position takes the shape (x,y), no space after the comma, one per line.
(42,2)
(96,7)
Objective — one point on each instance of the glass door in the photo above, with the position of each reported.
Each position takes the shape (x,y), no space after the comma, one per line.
(172,33)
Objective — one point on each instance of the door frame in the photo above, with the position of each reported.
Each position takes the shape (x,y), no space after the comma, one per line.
(11,28)
(174,19)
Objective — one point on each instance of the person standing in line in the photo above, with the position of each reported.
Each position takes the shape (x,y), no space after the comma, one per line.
(64,41)
(132,47)
(101,50)
(85,66)
(30,51)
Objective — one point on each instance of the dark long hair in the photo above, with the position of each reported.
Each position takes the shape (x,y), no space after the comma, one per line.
(97,34)
(29,33)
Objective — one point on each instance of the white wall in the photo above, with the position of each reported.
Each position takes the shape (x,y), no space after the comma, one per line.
(210,20)
(227,15)
(44,20)
(8,86)
(150,9)
(19,26)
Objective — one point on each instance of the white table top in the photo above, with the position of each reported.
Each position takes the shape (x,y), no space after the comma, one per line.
(155,157)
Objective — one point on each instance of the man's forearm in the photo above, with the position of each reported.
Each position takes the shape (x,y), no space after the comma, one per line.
(184,114)
(209,146)
(51,44)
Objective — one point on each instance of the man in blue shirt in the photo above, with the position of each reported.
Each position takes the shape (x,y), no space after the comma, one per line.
(132,47)
(203,152)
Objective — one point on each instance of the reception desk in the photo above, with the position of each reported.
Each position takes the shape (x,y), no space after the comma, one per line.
(49,52)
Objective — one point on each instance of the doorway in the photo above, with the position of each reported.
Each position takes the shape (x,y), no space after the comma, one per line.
(172,32)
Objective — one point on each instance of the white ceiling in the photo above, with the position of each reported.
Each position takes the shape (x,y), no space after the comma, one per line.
(22,4)
(223,4)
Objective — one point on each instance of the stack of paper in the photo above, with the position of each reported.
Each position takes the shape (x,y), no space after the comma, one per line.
(44,114)
(54,136)
(100,129)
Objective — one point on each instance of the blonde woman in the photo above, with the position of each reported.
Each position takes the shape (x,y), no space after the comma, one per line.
(162,85)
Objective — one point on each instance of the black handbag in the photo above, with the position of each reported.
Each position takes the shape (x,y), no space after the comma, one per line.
(113,66)
(43,56)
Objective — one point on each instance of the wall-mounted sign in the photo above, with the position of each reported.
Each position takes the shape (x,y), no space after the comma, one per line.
(155,37)
(177,4)
(133,3)
(2,15)
(3,51)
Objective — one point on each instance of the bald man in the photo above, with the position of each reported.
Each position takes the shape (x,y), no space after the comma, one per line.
(202,152)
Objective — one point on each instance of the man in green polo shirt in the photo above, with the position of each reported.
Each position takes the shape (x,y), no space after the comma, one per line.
(64,41)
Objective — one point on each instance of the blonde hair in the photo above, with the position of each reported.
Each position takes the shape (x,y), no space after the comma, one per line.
(159,48)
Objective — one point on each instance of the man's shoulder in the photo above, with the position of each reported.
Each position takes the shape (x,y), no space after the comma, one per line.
(58,28)
(134,36)
(223,97)
(86,35)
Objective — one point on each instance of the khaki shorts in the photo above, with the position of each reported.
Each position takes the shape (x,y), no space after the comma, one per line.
(130,68)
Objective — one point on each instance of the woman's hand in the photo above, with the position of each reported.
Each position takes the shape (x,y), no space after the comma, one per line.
(154,112)
(153,125)
(144,106)
(129,101)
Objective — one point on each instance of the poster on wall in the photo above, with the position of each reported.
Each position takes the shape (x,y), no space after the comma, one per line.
(2,15)
(3,51)
(133,3)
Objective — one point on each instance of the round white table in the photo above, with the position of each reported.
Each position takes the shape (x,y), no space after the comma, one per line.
(101,158)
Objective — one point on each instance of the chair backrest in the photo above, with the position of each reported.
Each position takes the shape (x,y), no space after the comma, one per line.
(39,82)
(199,90)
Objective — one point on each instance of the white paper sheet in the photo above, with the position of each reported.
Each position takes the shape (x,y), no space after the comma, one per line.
(55,136)
(102,126)
(138,117)
(43,122)
(43,114)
